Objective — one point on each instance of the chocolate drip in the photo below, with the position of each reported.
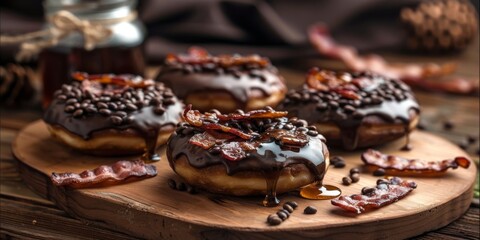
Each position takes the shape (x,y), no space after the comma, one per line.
(388,99)
(270,157)
(87,112)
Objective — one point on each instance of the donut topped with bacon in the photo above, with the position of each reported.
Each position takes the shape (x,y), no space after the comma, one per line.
(354,110)
(223,82)
(113,114)
(245,153)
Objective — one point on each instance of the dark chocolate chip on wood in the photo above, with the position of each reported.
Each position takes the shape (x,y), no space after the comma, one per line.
(310,210)
(274,219)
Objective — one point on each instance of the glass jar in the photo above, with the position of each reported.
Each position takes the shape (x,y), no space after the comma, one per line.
(121,53)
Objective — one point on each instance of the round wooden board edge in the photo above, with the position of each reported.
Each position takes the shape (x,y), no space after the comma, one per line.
(52,192)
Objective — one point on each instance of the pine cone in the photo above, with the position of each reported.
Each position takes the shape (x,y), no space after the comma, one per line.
(440,25)
(17,85)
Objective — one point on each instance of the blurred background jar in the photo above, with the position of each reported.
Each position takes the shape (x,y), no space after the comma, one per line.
(122,52)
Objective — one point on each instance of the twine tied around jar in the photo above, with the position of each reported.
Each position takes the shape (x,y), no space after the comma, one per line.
(63,24)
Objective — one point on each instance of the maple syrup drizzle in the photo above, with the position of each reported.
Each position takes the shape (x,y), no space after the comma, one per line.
(317,191)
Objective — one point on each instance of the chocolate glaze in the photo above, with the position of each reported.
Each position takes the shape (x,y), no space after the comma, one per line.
(389,99)
(155,107)
(207,74)
(269,157)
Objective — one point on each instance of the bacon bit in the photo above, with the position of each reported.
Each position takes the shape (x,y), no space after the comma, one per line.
(203,140)
(394,165)
(412,74)
(255,114)
(290,139)
(233,151)
(106,175)
(209,121)
(384,194)
(119,80)
(197,55)
(329,81)
(350,94)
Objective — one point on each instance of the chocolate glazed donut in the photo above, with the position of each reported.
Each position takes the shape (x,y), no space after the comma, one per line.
(257,152)
(355,110)
(113,115)
(223,82)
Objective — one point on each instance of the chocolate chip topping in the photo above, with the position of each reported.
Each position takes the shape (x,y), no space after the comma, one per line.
(90,104)
(345,99)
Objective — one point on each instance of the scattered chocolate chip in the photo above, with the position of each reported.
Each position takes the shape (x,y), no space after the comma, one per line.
(181,186)
(78,113)
(105,112)
(357,115)
(310,210)
(285,211)
(382,181)
(116,120)
(355,177)
(349,109)
(333,104)
(302,129)
(379,172)
(354,170)
(282,215)
(301,123)
(448,125)
(471,139)
(91,109)
(62,97)
(159,110)
(191,189)
(69,109)
(274,219)
(172,184)
(368,190)
(338,162)
(288,208)
(292,204)
(346,181)
(312,133)
(112,106)
(131,107)
(120,114)
(102,105)
(71,101)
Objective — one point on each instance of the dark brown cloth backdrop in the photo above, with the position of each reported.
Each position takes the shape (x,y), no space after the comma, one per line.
(275,28)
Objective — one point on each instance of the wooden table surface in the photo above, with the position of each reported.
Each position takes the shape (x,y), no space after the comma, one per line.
(25,215)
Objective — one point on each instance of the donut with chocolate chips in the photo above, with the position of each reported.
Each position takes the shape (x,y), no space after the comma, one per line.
(113,114)
(224,82)
(247,153)
(354,110)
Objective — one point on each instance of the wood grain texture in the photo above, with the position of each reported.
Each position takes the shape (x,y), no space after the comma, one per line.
(150,209)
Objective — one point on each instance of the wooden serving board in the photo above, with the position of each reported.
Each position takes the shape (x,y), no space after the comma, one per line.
(150,209)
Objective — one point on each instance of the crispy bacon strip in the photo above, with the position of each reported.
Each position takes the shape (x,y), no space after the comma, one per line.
(383,194)
(211,121)
(120,80)
(412,74)
(106,175)
(197,55)
(203,140)
(394,165)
